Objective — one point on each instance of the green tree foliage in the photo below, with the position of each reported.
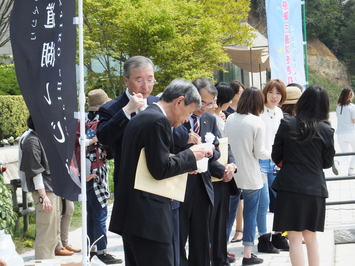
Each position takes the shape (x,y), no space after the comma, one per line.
(347,37)
(324,18)
(258,9)
(8,84)
(183,38)
(7,215)
(333,22)
(13,116)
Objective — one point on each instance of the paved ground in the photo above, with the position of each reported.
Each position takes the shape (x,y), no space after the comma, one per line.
(331,255)
(337,217)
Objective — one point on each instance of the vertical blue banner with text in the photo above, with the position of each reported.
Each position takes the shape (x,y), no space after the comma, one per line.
(284,27)
(43,39)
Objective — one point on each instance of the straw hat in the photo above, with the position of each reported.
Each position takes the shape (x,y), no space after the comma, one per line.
(293,93)
(96,98)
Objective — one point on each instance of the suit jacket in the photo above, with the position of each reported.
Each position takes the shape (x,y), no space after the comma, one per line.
(302,165)
(141,213)
(113,122)
(207,124)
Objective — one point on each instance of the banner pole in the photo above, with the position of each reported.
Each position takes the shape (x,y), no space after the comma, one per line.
(85,260)
(303,3)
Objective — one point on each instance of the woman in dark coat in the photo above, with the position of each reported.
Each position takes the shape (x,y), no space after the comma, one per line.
(305,146)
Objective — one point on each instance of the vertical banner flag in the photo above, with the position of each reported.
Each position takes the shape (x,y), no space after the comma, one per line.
(43,39)
(284,27)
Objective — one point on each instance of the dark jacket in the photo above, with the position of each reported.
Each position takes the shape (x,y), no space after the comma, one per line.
(34,162)
(302,166)
(113,122)
(141,213)
(207,124)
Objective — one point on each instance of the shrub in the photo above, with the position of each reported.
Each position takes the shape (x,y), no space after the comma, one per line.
(7,216)
(13,116)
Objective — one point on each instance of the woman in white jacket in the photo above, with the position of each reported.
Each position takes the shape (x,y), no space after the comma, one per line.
(345,131)
(246,134)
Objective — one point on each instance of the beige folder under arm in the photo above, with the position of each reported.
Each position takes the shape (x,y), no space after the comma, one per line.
(223,159)
(172,187)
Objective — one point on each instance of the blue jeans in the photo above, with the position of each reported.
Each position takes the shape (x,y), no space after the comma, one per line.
(262,210)
(251,205)
(233,208)
(268,168)
(96,218)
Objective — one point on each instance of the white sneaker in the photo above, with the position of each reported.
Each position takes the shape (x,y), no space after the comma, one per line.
(335,167)
(351,171)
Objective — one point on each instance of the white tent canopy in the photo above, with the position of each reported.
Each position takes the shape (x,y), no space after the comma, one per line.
(254,58)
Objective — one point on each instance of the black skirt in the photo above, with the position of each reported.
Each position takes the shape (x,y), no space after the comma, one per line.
(298,212)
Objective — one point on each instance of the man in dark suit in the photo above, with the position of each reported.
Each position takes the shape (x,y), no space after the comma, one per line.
(138,72)
(224,185)
(143,219)
(138,75)
(195,211)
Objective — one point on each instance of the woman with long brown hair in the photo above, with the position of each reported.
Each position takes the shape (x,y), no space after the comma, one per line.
(345,131)
(304,144)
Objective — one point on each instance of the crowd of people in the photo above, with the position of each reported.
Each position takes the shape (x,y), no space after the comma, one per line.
(266,152)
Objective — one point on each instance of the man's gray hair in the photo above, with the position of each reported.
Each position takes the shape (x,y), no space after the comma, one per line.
(180,87)
(136,62)
(205,84)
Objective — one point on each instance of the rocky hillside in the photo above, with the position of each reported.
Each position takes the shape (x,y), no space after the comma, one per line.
(322,60)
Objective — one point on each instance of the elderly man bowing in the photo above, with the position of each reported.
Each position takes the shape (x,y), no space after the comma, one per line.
(143,219)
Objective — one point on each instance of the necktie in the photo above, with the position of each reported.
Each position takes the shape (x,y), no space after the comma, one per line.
(196,125)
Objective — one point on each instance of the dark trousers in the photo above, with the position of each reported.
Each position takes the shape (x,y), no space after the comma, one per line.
(195,214)
(96,218)
(219,223)
(145,252)
(175,205)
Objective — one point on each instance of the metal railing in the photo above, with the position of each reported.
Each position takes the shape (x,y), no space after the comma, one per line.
(340,178)
(24,208)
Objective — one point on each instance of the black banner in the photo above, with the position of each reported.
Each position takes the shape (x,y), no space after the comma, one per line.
(43,39)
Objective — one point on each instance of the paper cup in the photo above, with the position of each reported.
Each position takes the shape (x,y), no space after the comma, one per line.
(208,146)
(202,165)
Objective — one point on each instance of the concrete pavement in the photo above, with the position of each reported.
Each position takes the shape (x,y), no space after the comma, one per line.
(331,254)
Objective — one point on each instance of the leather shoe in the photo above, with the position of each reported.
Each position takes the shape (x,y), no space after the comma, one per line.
(63,252)
(70,248)
(235,240)
(230,257)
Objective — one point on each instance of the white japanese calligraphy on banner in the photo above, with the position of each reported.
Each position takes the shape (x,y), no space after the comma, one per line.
(284,25)
(43,39)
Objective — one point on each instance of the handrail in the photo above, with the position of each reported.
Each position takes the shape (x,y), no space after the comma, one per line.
(341,178)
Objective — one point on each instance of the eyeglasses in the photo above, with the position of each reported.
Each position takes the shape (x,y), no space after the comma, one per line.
(140,82)
(207,105)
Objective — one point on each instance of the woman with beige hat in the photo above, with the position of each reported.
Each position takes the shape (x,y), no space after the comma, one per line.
(97,183)
(293,93)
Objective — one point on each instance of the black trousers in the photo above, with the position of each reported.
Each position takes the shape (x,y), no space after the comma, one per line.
(145,252)
(195,214)
(219,223)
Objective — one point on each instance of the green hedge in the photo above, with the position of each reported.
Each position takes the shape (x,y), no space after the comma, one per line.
(7,215)
(13,116)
